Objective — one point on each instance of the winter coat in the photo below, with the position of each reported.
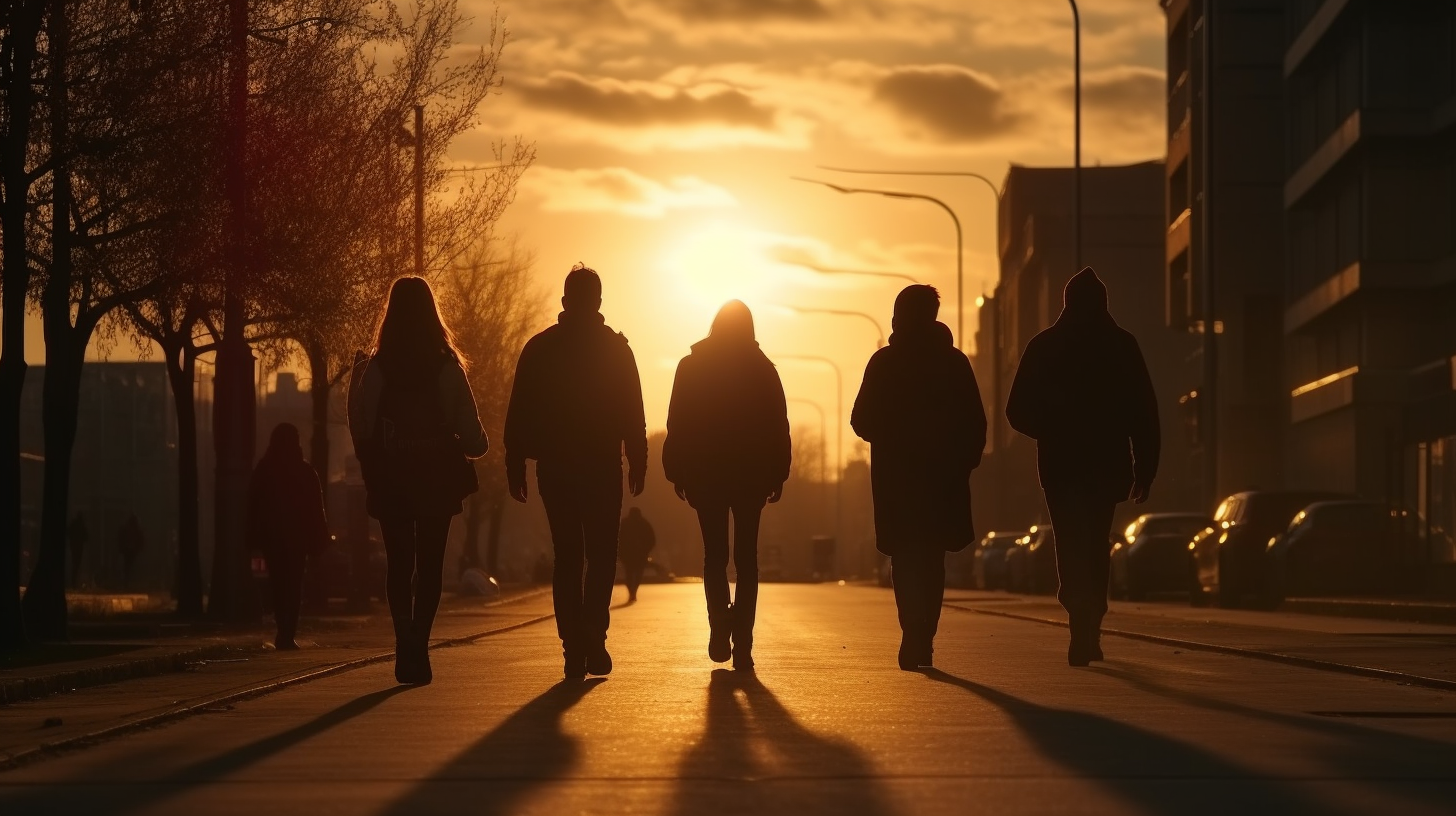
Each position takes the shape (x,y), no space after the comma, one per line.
(431,407)
(285,505)
(920,409)
(576,402)
(727,423)
(1082,391)
(635,539)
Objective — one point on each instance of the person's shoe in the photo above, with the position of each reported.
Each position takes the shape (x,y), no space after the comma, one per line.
(909,656)
(407,662)
(424,675)
(720,637)
(743,656)
(285,645)
(574,665)
(926,657)
(599,661)
(1094,647)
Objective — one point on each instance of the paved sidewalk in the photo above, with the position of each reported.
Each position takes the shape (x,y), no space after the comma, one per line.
(1422,650)
(238,667)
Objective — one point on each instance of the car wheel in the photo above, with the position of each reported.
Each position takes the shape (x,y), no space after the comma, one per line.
(1196,596)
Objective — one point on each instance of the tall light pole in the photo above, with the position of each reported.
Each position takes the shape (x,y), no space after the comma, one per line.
(879,330)
(1076,137)
(420,190)
(838,426)
(960,243)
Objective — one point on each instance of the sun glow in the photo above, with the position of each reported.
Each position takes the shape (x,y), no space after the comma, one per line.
(722,261)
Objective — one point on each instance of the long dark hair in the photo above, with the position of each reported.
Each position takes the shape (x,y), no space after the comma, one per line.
(411,331)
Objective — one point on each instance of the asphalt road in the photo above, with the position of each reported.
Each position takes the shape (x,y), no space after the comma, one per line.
(827,725)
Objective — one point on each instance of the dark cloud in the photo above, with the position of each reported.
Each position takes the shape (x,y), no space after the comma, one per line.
(1126,92)
(615,103)
(949,103)
(746,10)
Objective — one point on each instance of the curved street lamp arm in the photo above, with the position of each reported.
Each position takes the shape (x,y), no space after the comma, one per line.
(866,272)
(959,173)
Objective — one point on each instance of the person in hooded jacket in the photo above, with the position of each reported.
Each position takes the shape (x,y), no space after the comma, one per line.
(1082,391)
(920,409)
(727,453)
(635,540)
(415,427)
(286,523)
(575,406)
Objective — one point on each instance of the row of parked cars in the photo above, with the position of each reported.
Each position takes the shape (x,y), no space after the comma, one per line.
(1259,548)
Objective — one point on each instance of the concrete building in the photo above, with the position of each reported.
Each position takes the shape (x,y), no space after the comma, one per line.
(1370,218)
(1224,241)
(1123,239)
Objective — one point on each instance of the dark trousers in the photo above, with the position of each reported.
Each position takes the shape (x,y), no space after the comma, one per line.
(285,582)
(919,580)
(713,515)
(416,551)
(583,514)
(632,571)
(1082,524)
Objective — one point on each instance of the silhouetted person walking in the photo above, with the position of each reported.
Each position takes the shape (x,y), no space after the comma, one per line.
(286,523)
(576,403)
(1083,393)
(130,541)
(415,427)
(728,452)
(920,409)
(635,540)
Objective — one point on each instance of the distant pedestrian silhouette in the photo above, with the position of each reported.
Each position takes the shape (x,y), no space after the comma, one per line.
(635,540)
(1083,393)
(920,409)
(576,402)
(286,523)
(414,425)
(728,452)
(77,537)
(130,541)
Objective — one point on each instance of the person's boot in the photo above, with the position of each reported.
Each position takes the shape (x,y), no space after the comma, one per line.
(1078,653)
(742,642)
(720,635)
(909,657)
(925,657)
(424,675)
(599,660)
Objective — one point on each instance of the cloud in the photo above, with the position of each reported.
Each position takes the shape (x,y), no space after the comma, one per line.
(1126,91)
(621,191)
(746,10)
(946,102)
(638,104)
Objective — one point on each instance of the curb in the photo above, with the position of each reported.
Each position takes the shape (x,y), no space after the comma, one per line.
(24,757)
(1444,614)
(34,688)
(1273,657)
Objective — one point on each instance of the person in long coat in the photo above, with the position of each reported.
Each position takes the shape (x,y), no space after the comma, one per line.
(1082,391)
(920,409)
(728,452)
(286,523)
(635,540)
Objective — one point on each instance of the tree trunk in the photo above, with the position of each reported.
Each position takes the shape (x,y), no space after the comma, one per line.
(45,595)
(181,371)
(19,101)
(319,390)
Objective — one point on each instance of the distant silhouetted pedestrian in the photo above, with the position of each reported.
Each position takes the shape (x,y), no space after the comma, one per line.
(728,452)
(77,537)
(920,409)
(576,402)
(635,540)
(286,523)
(1083,393)
(130,541)
(415,427)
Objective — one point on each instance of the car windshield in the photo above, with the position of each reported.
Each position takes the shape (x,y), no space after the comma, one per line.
(1273,511)
(1173,525)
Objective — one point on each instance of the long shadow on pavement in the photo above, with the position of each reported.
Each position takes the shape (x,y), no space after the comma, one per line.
(526,751)
(754,757)
(1411,766)
(1152,773)
(125,798)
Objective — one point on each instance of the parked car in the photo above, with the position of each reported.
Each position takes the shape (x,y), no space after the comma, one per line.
(989,566)
(1229,566)
(1336,548)
(1151,555)
(1031,566)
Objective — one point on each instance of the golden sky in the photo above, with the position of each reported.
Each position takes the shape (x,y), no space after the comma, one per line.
(667,132)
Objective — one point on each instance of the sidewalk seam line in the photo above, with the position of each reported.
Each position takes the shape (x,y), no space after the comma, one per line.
(1236,651)
(39,752)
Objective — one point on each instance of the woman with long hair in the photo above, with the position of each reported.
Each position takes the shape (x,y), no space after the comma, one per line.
(415,428)
(727,453)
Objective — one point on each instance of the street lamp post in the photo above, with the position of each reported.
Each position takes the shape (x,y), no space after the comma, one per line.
(838,427)
(960,243)
(879,330)
(1076,137)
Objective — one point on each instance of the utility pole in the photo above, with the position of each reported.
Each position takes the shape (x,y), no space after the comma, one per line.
(1076,138)
(420,190)
(234,396)
(1209,394)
